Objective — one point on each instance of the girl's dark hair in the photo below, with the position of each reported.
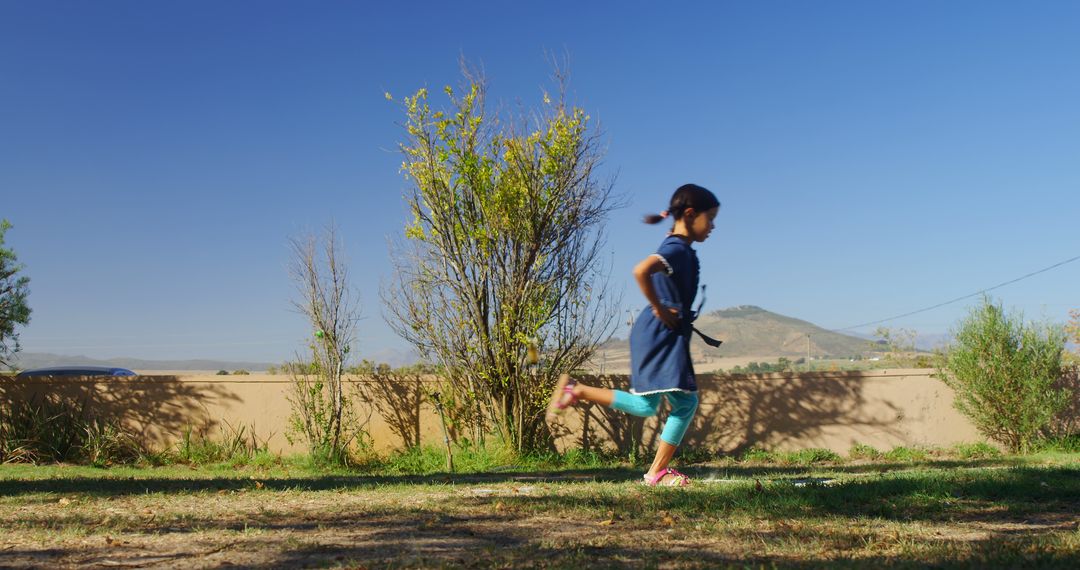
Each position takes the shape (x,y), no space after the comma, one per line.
(686,196)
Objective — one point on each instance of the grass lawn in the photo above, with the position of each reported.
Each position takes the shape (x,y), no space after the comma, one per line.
(977,513)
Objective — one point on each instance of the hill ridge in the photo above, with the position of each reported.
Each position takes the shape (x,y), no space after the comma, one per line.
(28,360)
(750,331)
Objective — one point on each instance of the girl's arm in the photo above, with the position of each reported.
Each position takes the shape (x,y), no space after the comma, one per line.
(642,272)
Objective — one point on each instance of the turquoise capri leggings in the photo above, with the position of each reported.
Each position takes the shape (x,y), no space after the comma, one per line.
(683,406)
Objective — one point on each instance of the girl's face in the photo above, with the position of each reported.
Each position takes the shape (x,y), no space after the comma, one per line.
(700,224)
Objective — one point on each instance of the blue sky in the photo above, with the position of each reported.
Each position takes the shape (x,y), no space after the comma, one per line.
(872,157)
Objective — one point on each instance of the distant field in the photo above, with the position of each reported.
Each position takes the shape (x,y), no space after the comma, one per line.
(615,363)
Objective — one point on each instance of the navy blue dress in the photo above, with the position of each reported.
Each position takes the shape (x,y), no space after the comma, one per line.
(659,356)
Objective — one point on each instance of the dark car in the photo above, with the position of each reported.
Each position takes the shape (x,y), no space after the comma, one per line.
(76,371)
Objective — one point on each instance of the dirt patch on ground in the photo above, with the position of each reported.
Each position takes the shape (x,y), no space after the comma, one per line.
(346,529)
(468,526)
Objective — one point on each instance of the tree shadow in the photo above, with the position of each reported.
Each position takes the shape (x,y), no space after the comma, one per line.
(602,426)
(738,412)
(1067,422)
(397,398)
(744,411)
(462,531)
(103,486)
(998,495)
(424,535)
(155,409)
(496,542)
(115,486)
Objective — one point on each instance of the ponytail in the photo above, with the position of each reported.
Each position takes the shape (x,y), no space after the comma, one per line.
(686,196)
(655,218)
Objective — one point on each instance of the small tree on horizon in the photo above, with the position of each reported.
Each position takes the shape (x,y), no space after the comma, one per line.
(14,290)
(898,344)
(503,253)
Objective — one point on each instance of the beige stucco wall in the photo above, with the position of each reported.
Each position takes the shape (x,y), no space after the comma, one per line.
(831,410)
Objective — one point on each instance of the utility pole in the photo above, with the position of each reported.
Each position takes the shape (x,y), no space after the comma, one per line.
(808,352)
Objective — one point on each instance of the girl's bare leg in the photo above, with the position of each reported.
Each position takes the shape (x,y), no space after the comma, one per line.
(560,399)
(664,453)
(602,396)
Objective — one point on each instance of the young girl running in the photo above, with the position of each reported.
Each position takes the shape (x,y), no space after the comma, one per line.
(660,365)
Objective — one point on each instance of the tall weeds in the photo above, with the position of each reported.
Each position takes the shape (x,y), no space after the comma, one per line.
(55,430)
(41,431)
(237,445)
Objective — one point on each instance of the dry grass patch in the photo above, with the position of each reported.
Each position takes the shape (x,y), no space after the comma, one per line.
(983,515)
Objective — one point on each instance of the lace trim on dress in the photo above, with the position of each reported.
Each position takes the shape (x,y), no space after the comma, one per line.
(661,391)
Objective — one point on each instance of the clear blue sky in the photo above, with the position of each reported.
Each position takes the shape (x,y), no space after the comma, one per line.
(872,157)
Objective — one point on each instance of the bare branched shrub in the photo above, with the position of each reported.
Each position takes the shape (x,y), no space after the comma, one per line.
(322,415)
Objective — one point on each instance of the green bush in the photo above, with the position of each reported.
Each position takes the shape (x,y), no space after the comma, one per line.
(758,455)
(906,454)
(976,451)
(495,456)
(863,451)
(797,457)
(808,457)
(781,365)
(580,459)
(1004,374)
(427,459)
(417,460)
(690,455)
(1062,444)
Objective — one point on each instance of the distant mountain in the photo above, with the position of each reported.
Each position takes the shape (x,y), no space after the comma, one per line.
(395,357)
(750,331)
(27,360)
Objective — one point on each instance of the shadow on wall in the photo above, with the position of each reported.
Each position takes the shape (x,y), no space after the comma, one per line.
(397,399)
(830,410)
(738,412)
(602,425)
(746,411)
(1068,421)
(156,408)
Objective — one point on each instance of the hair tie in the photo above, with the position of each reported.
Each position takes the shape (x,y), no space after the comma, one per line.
(664,214)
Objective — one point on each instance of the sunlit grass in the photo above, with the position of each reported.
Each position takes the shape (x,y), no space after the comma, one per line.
(898,508)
